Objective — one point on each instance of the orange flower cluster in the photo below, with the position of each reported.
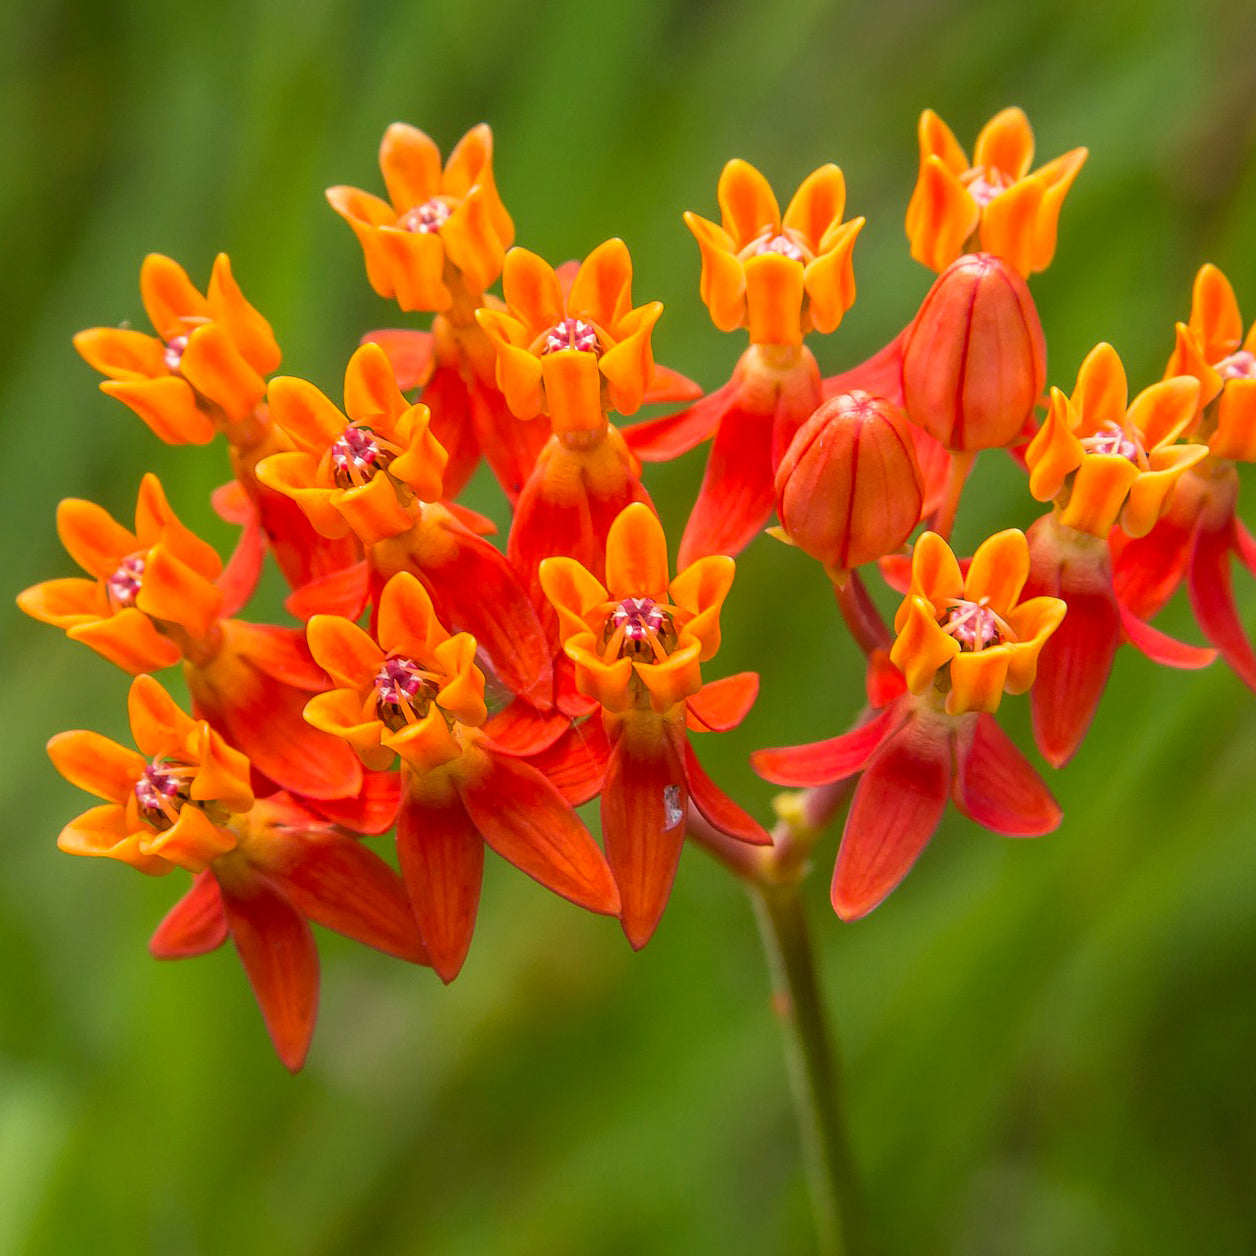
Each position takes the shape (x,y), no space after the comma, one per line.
(467,696)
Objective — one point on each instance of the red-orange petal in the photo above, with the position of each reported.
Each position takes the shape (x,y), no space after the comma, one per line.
(195,925)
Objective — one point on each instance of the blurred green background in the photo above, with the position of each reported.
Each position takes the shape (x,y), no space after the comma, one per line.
(1048,1045)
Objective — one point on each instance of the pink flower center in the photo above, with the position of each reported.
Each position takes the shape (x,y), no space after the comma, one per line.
(1114,440)
(357,454)
(572,333)
(404,692)
(161,791)
(425,218)
(781,244)
(985,183)
(1240,365)
(173,355)
(973,624)
(639,628)
(124,585)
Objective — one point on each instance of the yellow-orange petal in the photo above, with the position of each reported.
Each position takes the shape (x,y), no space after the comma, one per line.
(371,393)
(573,592)
(722,285)
(1009,225)
(462,694)
(629,366)
(167,405)
(636,554)
(606,683)
(224,772)
(193,842)
(372,510)
(1032,622)
(935,571)
(158,725)
(129,640)
(104,831)
(1100,487)
(414,262)
(817,205)
(340,712)
(1235,436)
(674,678)
(306,414)
(998,571)
(519,376)
(1057,177)
(213,364)
(410,163)
(1215,316)
(940,216)
(1165,410)
(296,475)
(156,523)
(470,161)
(700,591)
(169,296)
(1149,494)
(1188,358)
(121,353)
(1006,143)
(1101,392)
(829,281)
(1055,451)
(251,332)
(573,390)
(977,680)
(602,288)
(774,296)
(346,652)
(406,622)
(920,646)
(532,290)
(65,603)
(171,590)
(96,764)
(92,537)
(938,140)
(426,744)
(422,463)
(747,203)
(472,240)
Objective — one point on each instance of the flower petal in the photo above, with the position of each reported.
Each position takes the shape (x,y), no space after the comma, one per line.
(720,811)
(722,704)
(996,785)
(195,925)
(823,762)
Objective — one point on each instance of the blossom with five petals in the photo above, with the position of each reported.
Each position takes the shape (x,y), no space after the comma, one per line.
(442,234)
(994,203)
(204,370)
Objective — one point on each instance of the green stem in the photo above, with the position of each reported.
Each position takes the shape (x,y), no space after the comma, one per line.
(813,1068)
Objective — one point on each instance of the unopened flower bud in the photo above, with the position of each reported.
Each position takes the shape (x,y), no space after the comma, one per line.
(848,490)
(974,364)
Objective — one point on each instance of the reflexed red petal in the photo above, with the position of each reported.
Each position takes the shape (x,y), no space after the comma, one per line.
(662,439)
(340,884)
(1161,648)
(301,553)
(576,763)
(344,592)
(896,571)
(997,786)
(448,398)
(231,503)
(510,445)
(1245,546)
(520,729)
(1073,671)
(244,568)
(475,590)
(371,812)
(668,385)
(644,799)
(410,353)
(823,762)
(528,822)
(722,704)
(1212,600)
(896,808)
(277,950)
(195,925)
(442,861)
(737,495)
(1147,571)
(717,808)
(883,682)
(881,374)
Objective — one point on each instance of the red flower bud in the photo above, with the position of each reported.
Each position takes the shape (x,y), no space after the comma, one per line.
(975,361)
(848,490)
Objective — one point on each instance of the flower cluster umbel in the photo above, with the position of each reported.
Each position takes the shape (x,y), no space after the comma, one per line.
(465,696)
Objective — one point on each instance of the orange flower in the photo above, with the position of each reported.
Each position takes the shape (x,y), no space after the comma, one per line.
(445,233)
(572,353)
(1212,349)
(168,804)
(264,868)
(358,472)
(1102,460)
(147,586)
(204,370)
(637,643)
(414,690)
(778,276)
(970,636)
(995,201)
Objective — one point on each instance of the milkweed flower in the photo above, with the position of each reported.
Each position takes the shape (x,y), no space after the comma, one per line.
(152,600)
(1200,530)
(994,202)
(780,276)
(263,868)
(206,367)
(443,233)
(413,690)
(637,642)
(961,642)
